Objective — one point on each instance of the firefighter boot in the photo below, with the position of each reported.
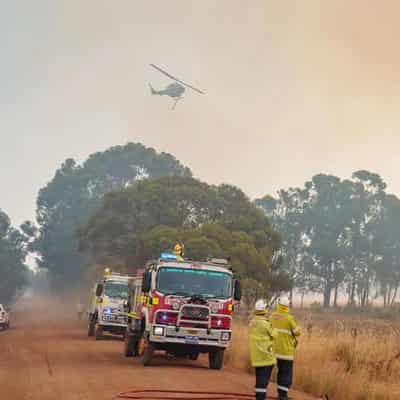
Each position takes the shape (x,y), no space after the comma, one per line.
(261,394)
(282,395)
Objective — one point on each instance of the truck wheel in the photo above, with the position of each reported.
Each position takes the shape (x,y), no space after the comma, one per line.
(193,356)
(130,347)
(98,332)
(91,326)
(216,359)
(148,354)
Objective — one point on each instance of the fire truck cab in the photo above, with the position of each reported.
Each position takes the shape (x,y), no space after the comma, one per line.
(182,307)
(107,305)
(4,318)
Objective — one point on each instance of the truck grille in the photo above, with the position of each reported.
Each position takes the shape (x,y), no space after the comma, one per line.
(195,313)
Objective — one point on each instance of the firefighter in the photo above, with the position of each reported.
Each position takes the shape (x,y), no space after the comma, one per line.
(179,251)
(261,337)
(285,345)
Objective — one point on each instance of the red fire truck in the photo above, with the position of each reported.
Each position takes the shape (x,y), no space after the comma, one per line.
(182,307)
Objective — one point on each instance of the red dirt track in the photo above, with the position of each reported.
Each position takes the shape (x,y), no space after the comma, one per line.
(46,357)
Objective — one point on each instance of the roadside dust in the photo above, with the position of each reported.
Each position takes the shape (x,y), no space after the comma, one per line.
(47,356)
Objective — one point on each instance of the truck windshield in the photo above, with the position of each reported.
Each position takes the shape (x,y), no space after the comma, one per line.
(116,289)
(189,282)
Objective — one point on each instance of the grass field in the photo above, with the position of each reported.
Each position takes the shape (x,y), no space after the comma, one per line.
(344,357)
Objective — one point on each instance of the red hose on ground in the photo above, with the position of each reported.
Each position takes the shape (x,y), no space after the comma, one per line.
(154,394)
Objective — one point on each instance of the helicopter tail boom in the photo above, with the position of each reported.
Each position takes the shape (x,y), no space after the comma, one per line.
(152,89)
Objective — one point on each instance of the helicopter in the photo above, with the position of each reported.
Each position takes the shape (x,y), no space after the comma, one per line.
(174,90)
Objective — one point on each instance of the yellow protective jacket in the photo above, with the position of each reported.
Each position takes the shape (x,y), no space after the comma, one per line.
(284,323)
(261,340)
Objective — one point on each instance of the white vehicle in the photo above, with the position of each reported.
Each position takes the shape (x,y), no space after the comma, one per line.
(4,318)
(107,305)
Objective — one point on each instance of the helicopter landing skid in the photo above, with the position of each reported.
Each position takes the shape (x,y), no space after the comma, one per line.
(175,102)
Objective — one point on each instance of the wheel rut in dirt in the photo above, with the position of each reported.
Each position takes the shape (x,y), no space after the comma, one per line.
(49,357)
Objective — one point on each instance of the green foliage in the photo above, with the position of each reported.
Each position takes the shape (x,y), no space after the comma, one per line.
(13,272)
(77,191)
(340,234)
(138,223)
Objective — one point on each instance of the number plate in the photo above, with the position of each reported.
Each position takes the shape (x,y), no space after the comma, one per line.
(191,339)
(192,332)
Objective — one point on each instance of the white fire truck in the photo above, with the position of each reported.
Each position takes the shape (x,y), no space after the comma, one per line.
(4,318)
(107,305)
(183,308)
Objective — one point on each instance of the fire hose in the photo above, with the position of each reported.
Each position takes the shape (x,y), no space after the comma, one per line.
(155,394)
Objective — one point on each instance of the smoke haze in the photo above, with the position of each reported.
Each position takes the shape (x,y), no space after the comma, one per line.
(294,88)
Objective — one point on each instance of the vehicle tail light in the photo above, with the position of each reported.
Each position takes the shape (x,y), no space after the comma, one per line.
(220,322)
(166,318)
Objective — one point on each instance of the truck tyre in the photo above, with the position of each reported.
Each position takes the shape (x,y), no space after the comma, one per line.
(98,332)
(148,354)
(91,326)
(216,359)
(193,356)
(130,347)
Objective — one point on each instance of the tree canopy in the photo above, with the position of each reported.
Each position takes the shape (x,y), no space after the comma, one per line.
(137,223)
(13,271)
(128,203)
(77,191)
(339,234)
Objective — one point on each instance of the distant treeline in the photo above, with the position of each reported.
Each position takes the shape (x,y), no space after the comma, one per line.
(13,250)
(340,234)
(128,203)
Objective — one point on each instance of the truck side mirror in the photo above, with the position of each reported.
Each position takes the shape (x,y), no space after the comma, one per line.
(99,289)
(147,281)
(238,291)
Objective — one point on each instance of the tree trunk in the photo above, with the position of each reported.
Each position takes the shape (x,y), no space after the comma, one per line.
(394,296)
(353,289)
(349,294)
(384,291)
(335,296)
(388,296)
(364,296)
(327,295)
(365,299)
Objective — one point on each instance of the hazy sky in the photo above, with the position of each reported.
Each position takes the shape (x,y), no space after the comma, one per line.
(294,88)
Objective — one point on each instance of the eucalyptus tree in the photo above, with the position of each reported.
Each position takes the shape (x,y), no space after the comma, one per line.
(13,271)
(76,192)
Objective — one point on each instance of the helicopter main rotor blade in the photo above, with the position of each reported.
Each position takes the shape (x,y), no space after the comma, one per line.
(176,79)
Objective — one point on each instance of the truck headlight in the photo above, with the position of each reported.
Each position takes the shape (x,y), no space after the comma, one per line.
(158,331)
(225,336)
(214,308)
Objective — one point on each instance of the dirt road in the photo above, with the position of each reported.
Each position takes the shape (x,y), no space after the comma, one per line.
(46,358)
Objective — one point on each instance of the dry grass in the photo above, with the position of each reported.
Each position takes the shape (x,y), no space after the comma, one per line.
(339,360)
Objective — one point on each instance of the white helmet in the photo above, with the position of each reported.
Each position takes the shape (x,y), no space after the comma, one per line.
(260,305)
(284,301)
